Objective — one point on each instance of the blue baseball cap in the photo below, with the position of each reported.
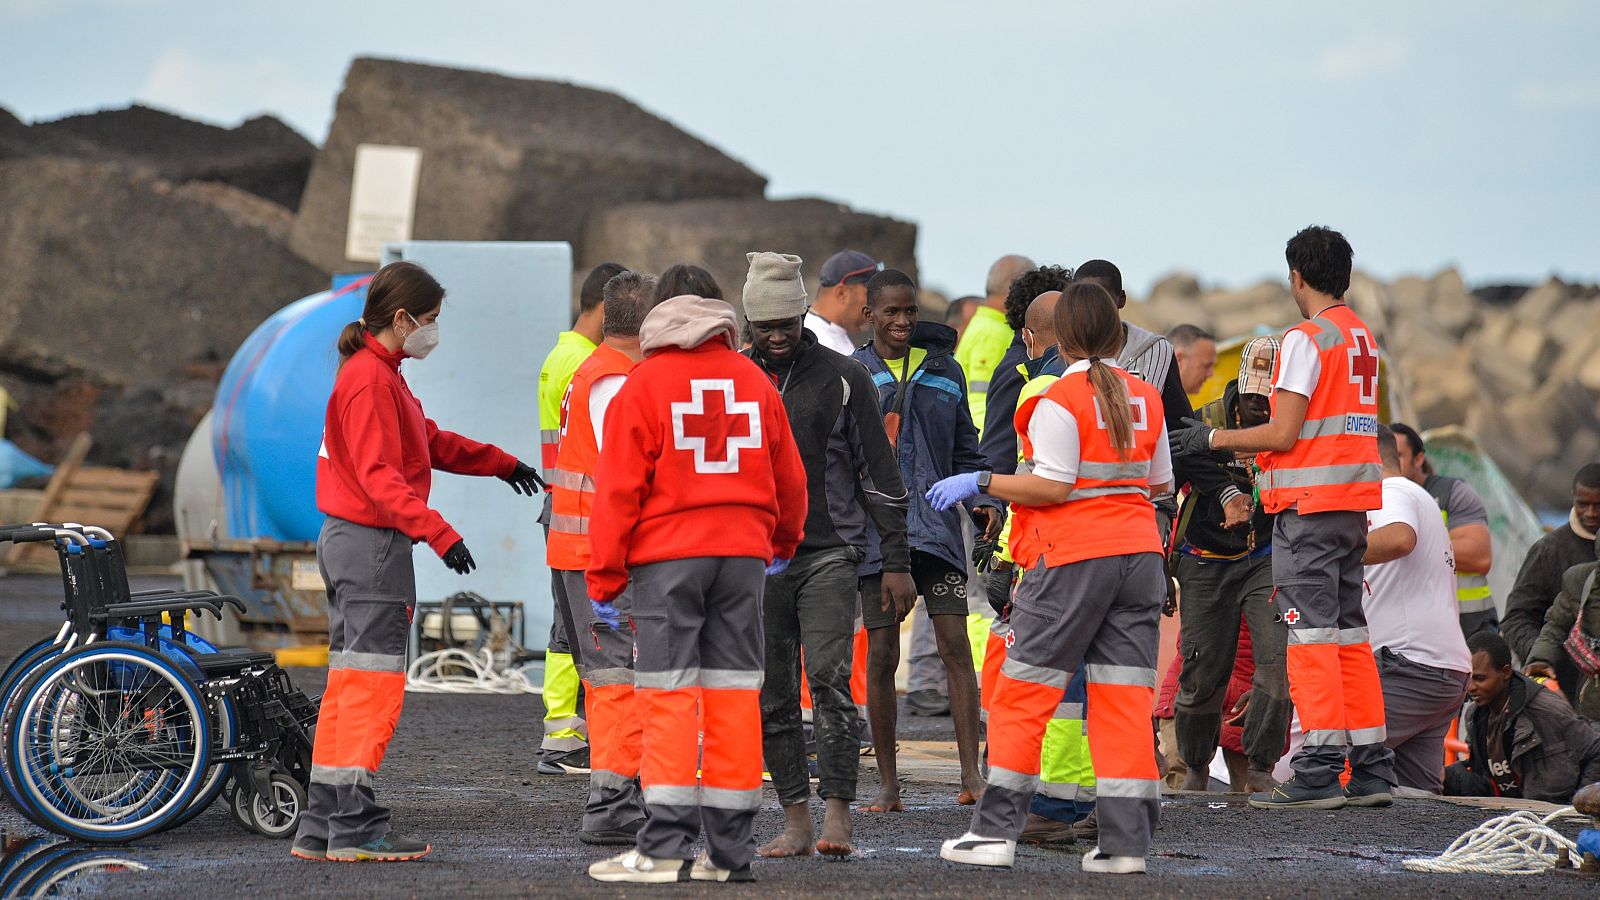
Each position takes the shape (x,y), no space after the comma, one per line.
(849,267)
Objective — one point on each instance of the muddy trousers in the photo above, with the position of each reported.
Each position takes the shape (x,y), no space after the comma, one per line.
(605,664)
(812,604)
(1103,615)
(371,592)
(1333,679)
(564,727)
(697,676)
(1216,595)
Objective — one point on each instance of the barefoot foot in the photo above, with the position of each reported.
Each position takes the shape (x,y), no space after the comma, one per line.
(790,843)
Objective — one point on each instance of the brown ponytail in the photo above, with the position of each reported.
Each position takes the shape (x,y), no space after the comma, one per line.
(1089,327)
(397,286)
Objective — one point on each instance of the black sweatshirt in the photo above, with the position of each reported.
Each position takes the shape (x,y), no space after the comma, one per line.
(851,471)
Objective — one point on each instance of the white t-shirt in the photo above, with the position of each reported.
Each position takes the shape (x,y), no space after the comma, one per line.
(829,335)
(1054,433)
(600,396)
(1411,604)
(1299,364)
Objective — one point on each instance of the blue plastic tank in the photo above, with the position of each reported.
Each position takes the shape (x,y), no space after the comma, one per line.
(268,415)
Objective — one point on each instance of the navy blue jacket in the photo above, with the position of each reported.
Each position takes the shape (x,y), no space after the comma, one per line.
(937,439)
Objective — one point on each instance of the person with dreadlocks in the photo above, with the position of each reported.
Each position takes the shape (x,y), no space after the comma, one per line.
(1091,595)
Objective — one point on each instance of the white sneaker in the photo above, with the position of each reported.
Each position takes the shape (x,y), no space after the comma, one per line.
(635,867)
(979,851)
(705,870)
(1106,864)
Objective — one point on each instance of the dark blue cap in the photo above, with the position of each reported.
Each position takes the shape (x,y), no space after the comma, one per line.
(849,267)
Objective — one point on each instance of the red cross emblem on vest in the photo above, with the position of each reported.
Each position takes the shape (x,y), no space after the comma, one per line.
(1364,365)
(1292,616)
(715,426)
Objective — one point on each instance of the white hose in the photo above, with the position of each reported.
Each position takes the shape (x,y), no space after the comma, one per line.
(453,671)
(1520,843)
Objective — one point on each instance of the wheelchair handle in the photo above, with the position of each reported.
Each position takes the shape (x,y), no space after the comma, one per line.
(28,534)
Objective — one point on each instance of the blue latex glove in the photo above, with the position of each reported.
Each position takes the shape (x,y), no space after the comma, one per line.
(953,490)
(607,613)
(777,566)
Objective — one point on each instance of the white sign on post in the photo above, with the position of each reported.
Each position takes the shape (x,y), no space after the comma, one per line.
(383,199)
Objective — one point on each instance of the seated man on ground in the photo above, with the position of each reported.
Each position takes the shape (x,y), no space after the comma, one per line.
(1524,740)
(1571,634)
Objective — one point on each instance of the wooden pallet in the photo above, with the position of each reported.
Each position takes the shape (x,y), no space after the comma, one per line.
(110,498)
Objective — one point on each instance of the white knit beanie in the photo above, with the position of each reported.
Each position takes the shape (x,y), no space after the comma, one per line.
(773,289)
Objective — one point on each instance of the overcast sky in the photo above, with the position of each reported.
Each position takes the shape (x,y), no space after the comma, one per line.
(1161,135)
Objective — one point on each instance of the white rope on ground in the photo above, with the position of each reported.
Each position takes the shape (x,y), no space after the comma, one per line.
(454,671)
(1520,843)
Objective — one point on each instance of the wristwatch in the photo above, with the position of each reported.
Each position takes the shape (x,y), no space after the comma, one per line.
(983,481)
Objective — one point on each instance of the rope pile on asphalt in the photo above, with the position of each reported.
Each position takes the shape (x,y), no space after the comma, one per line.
(1520,843)
(455,671)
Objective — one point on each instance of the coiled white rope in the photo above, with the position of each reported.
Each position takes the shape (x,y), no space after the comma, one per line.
(1520,843)
(455,671)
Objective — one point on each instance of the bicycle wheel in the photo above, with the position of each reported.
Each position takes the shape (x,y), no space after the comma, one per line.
(110,742)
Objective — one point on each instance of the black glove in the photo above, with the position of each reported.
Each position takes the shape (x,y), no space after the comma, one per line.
(524,479)
(998,588)
(983,552)
(459,559)
(1193,440)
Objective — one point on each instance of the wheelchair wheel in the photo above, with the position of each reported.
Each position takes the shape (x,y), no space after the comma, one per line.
(291,802)
(109,742)
(239,802)
(21,668)
(223,724)
(15,666)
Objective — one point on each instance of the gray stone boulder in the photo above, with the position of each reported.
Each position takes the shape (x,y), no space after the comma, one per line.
(504,158)
(718,233)
(261,156)
(112,271)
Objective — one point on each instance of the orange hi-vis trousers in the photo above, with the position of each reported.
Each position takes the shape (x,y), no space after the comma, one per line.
(371,591)
(1333,678)
(697,675)
(616,730)
(1102,614)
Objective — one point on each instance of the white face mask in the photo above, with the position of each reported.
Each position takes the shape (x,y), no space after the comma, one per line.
(419,343)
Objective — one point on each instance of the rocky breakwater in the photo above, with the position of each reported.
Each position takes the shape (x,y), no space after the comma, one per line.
(1518,366)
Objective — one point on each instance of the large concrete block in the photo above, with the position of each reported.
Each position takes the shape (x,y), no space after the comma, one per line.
(504,158)
(262,156)
(1453,308)
(122,275)
(718,233)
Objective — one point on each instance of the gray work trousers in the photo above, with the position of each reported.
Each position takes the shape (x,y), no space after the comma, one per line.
(1104,615)
(1333,680)
(811,605)
(371,592)
(1216,593)
(605,662)
(1419,702)
(697,674)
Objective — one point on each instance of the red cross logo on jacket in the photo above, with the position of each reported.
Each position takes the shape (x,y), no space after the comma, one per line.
(1364,365)
(715,426)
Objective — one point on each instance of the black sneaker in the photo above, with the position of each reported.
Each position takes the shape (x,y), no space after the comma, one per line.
(1368,790)
(389,848)
(570,762)
(1294,795)
(927,704)
(613,837)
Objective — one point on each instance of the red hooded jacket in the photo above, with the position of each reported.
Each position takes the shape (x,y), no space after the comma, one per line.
(698,459)
(379,452)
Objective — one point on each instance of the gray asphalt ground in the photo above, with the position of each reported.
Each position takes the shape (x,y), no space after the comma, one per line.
(460,774)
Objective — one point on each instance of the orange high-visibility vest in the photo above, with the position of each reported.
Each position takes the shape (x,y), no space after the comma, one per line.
(572,481)
(1108,512)
(1334,463)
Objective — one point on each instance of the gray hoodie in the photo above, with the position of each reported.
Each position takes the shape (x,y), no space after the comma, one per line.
(687,321)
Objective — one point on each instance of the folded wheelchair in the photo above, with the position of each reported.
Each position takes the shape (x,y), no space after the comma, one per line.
(124,723)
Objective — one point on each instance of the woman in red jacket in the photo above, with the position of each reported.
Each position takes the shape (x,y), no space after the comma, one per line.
(373,474)
(1091,596)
